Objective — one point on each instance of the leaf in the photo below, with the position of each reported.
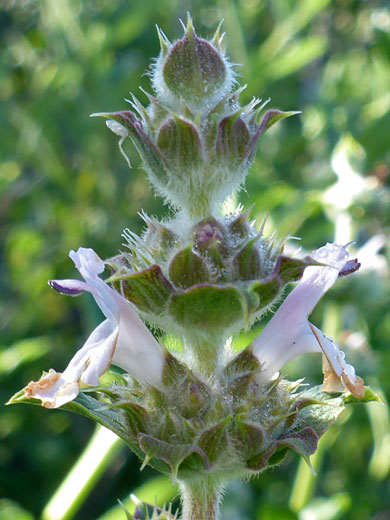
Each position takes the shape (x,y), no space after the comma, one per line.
(369,396)
(101,413)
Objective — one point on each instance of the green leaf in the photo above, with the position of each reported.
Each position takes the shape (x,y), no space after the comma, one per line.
(369,396)
(100,412)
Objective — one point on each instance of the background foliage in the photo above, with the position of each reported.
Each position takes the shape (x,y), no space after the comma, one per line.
(63,184)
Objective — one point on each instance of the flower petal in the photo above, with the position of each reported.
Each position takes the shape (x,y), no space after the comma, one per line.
(136,350)
(94,358)
(69,287)
(87,262)
(289,334)
(90,266)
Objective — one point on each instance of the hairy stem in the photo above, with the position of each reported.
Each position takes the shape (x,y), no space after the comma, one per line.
(207,354)
(201,499)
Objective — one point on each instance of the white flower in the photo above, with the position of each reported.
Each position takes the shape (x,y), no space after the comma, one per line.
(289,332)
(121,339)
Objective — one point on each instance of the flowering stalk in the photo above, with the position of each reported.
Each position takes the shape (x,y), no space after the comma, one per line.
(201,499)
(201,412)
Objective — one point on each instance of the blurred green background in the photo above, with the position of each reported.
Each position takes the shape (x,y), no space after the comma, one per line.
(63,184)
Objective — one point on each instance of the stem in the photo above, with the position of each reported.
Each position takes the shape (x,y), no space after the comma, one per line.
(98,454)
(201,499)
(207,354)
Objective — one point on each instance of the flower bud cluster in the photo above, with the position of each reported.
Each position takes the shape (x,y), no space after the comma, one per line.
(195,139)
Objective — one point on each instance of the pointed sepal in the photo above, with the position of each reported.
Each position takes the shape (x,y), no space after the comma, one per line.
(247,263)
(213,441)
(179,142)
(233,138)
(149,290)
(270,118)
(172,454)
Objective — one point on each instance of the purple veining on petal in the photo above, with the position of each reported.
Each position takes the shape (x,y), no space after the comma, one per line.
(350,267)
(68,287)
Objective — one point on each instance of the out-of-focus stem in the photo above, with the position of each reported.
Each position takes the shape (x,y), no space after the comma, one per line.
(201,499)
(93,461)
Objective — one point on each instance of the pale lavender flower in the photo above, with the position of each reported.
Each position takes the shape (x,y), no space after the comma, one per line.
(121,339)
(289,333)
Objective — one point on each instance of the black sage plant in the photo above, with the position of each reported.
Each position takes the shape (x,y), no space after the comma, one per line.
(193,407)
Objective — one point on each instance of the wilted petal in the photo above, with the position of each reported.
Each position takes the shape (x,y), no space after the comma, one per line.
(289,334)
(52,390)
(336,369)
(89,363)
